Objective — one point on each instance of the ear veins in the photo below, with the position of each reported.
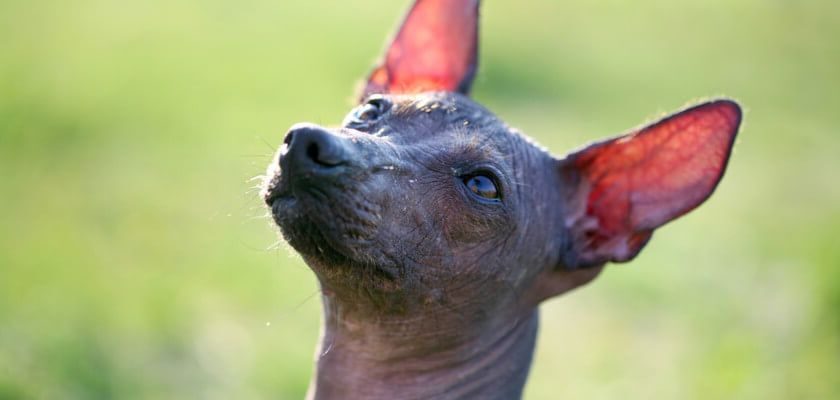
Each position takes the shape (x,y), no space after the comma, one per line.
(623,188)
(435,49)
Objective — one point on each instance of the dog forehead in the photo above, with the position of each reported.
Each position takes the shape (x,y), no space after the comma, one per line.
(444,108)
(446,120)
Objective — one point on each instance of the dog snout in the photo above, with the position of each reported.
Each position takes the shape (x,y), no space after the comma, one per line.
(313,148)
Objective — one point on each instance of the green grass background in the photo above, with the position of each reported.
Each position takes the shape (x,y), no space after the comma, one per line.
(136,261)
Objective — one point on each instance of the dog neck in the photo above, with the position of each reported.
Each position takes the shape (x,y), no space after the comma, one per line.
(417,356)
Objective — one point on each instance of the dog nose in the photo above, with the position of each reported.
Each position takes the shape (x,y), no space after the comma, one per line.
(308,145)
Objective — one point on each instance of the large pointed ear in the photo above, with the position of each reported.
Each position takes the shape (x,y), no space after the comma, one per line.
(621,189)
(435,49)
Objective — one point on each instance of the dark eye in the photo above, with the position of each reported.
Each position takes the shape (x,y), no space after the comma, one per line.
(482,186)
(369,112)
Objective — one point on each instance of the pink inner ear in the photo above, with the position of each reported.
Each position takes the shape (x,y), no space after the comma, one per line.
(640,181)
(434,50)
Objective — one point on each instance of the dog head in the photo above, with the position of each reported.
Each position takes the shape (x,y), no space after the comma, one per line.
(423,196)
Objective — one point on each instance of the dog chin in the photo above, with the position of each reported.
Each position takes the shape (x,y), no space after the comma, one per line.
(303,232)
(324,240)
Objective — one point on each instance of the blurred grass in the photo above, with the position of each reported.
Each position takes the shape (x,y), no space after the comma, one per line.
(135,261)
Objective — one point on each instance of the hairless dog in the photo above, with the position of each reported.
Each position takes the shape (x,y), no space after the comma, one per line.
(435,230)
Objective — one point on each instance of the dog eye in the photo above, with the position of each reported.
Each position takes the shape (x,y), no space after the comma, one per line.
(482,186)
(369,112)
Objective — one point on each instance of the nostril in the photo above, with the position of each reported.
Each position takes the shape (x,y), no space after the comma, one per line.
(305,145)
(287,144)
(312,152)
(325,154)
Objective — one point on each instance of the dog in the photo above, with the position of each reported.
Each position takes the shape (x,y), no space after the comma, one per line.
(435,229)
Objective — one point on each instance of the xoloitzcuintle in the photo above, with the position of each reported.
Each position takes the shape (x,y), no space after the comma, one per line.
(435,230)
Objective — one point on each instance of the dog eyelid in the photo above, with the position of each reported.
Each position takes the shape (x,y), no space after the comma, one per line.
(369,112)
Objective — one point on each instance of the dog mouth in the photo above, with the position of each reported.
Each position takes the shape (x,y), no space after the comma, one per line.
(305,234)
(331,222)
(325,192)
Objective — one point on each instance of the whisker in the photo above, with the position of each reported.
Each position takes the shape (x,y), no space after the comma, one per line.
(267,144)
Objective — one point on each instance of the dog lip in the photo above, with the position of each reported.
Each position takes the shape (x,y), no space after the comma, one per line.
(271,196)
(272,191)
(292,179)
(289,212)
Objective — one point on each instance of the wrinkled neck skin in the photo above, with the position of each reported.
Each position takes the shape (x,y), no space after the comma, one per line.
(440,354)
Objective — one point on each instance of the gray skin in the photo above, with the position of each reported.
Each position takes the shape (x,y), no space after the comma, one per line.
(429,290)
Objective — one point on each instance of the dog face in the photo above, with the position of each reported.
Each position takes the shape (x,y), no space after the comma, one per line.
(417,196)
(423,196)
